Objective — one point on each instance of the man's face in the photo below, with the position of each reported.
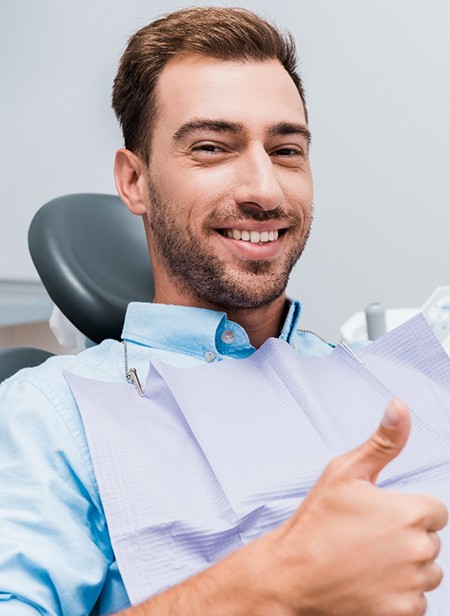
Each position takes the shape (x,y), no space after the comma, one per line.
(230,190)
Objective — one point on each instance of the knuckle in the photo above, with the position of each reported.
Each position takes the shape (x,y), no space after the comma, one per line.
(430,511)
(411,605)
(436,544)
(418,605)
(435,576)
(423,550)
(438,505)
(382,444)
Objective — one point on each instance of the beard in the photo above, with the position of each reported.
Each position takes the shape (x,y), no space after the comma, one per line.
(203,274)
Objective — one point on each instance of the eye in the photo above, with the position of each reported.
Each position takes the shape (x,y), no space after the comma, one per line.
(208,148)
(288,152)
(289,155)
(209,153)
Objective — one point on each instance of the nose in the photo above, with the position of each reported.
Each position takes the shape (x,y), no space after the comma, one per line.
(257,183)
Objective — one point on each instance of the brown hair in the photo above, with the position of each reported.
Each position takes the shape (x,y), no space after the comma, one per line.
(221,33)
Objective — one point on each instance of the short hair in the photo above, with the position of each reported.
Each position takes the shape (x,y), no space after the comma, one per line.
(221,33)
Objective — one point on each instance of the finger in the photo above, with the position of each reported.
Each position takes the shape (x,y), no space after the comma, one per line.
(435,542)
(434,513)
(433,575)
(382,447)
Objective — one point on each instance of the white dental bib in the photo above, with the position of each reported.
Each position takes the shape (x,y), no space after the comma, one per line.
(216,455)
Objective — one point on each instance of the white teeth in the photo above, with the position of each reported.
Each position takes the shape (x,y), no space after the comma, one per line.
(255,237)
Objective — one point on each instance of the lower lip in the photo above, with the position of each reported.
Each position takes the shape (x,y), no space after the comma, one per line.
(249,250)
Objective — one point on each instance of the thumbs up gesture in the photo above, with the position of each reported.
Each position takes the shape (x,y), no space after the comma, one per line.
(352,549)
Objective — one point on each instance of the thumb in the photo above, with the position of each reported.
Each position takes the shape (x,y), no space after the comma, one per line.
(383,446)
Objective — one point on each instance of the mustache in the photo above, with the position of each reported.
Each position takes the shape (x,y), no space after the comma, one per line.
(253,213)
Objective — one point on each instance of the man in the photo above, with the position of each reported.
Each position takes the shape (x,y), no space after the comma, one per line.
(216,162)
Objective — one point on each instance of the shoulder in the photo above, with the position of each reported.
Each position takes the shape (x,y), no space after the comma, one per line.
(48,379)
(37,405)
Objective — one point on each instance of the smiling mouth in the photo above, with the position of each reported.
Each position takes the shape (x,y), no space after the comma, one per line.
(255,237)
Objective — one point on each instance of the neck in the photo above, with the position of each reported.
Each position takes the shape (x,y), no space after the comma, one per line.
(259,323)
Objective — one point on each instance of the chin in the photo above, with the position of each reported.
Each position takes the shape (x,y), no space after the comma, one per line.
(244,294)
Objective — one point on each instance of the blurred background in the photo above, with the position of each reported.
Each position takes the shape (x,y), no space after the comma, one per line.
(377,78)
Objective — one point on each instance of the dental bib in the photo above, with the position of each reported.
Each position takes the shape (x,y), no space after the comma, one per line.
(214,456)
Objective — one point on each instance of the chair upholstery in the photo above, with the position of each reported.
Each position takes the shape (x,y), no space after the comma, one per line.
(13,359)
(91,255)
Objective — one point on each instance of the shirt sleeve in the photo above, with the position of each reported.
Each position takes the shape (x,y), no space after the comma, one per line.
(54,546)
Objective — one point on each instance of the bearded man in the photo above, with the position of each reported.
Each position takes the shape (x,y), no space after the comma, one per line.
(216,161)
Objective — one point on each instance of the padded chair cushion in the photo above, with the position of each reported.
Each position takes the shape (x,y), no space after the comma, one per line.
(91,255)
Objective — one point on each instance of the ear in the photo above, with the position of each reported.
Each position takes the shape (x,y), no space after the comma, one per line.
(130,173)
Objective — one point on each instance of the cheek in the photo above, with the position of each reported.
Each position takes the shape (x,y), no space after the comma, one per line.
(205,194)
(212,184)
(297,186)
(197,184)
(300,198)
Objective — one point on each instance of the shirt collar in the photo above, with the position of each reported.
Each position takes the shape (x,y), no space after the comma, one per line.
(194,331)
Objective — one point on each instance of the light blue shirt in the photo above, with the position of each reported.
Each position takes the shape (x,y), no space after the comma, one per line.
(55,551)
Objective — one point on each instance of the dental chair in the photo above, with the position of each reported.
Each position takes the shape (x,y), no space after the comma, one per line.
(91,255)
(14,358)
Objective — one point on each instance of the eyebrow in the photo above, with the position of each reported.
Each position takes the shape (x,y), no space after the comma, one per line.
(289,128)
(223,126)
(217,126)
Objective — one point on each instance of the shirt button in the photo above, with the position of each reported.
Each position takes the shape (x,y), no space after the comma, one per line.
(209,356)
(227,336)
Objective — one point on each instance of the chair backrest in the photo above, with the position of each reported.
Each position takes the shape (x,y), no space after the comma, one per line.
(13,359)
(91,255)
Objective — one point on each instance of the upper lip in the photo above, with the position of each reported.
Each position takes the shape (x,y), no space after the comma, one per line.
(256,226)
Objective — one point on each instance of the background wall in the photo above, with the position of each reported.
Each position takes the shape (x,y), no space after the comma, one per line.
(377,76)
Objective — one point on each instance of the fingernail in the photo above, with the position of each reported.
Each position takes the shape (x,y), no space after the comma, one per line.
(391,415)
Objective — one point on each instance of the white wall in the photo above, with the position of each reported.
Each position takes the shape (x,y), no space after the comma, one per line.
(377,75)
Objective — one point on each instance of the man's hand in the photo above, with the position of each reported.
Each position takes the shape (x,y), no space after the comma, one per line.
(356,550)
(350,549)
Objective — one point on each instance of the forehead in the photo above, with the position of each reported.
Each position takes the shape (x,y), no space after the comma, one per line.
(254,93)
